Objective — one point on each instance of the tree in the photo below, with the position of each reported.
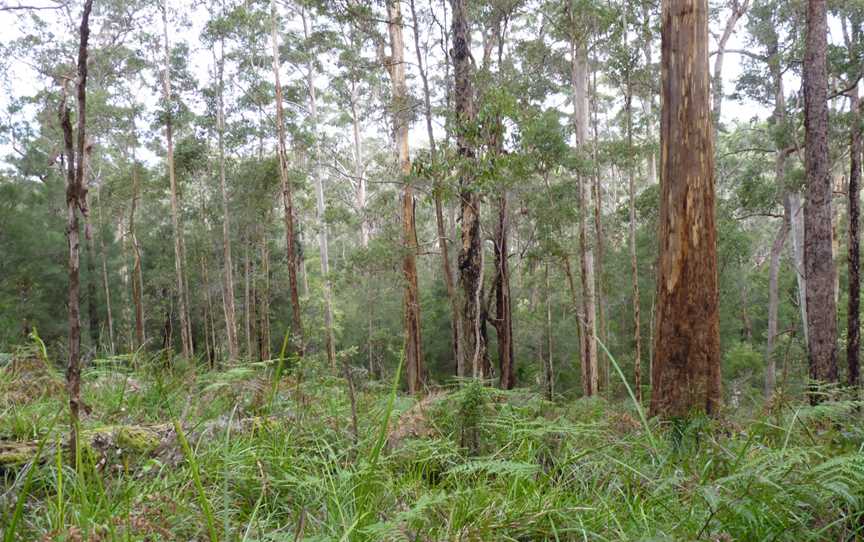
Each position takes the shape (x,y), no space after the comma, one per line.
(401,117)
(818,251)
(686,371)
(287,189)
(179,252)
(76,201)
(470,260)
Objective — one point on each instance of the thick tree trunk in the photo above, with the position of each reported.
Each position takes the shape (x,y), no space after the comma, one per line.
(471,253)
(401,119)
(818,253)
(76,200)
(686,372)
(330,341)
(287,193)
(853,346)
(227,262)
(579,85)
(185,325)
(443,242)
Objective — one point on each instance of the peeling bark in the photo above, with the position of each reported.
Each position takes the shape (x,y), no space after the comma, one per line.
(686,371)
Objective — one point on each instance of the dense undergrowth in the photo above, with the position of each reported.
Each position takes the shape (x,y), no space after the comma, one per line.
(468,462)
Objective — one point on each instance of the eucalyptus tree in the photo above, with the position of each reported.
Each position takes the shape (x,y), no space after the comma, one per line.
(686,371)
(818,249)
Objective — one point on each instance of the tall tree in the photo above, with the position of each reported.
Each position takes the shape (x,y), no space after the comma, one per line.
(76,201)
(227,261)
(686,369)
(471,253)
(401,119)
(856,147)
(441,229)
(588,317)
(323,242)
(818,251)
(179,252)
(287,189)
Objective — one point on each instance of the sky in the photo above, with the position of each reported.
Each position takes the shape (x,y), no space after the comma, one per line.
(21,79)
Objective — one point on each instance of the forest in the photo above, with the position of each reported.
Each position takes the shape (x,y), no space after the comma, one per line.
(431,270)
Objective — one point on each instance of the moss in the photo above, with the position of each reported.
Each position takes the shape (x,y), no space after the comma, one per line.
(136,439)
(13,454)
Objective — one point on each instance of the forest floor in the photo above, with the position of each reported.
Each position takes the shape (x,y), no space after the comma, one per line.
(267,462)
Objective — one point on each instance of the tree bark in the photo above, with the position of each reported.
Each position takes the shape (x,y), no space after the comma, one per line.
(228,263)
(470,259)
(185,325)
(76,200)
(686,371)
(401,118)
(818,253)
(853,346)
(287,193)
(443,241)
(503,304)
(579,86)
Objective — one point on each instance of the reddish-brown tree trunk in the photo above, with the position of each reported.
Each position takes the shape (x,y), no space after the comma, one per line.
(686,371)
(471,253)
(818,250)
(401,119)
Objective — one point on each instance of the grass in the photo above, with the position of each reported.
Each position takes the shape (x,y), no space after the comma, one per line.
(254,461)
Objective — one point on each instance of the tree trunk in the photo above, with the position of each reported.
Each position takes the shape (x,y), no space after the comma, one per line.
(330,341)
(796,215)
(401,119)
(185,325)
(548,372)
(686,372)
(247,298)
(471,254)
(818,253)
(228,264)
(503,305)
(137,272)
(287,193)
(443,242)
(773,302)
(76,200)
(598,236)
(579,85)
(634,265)
(105,284)
(92,311)
(264,304)
(853,346)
